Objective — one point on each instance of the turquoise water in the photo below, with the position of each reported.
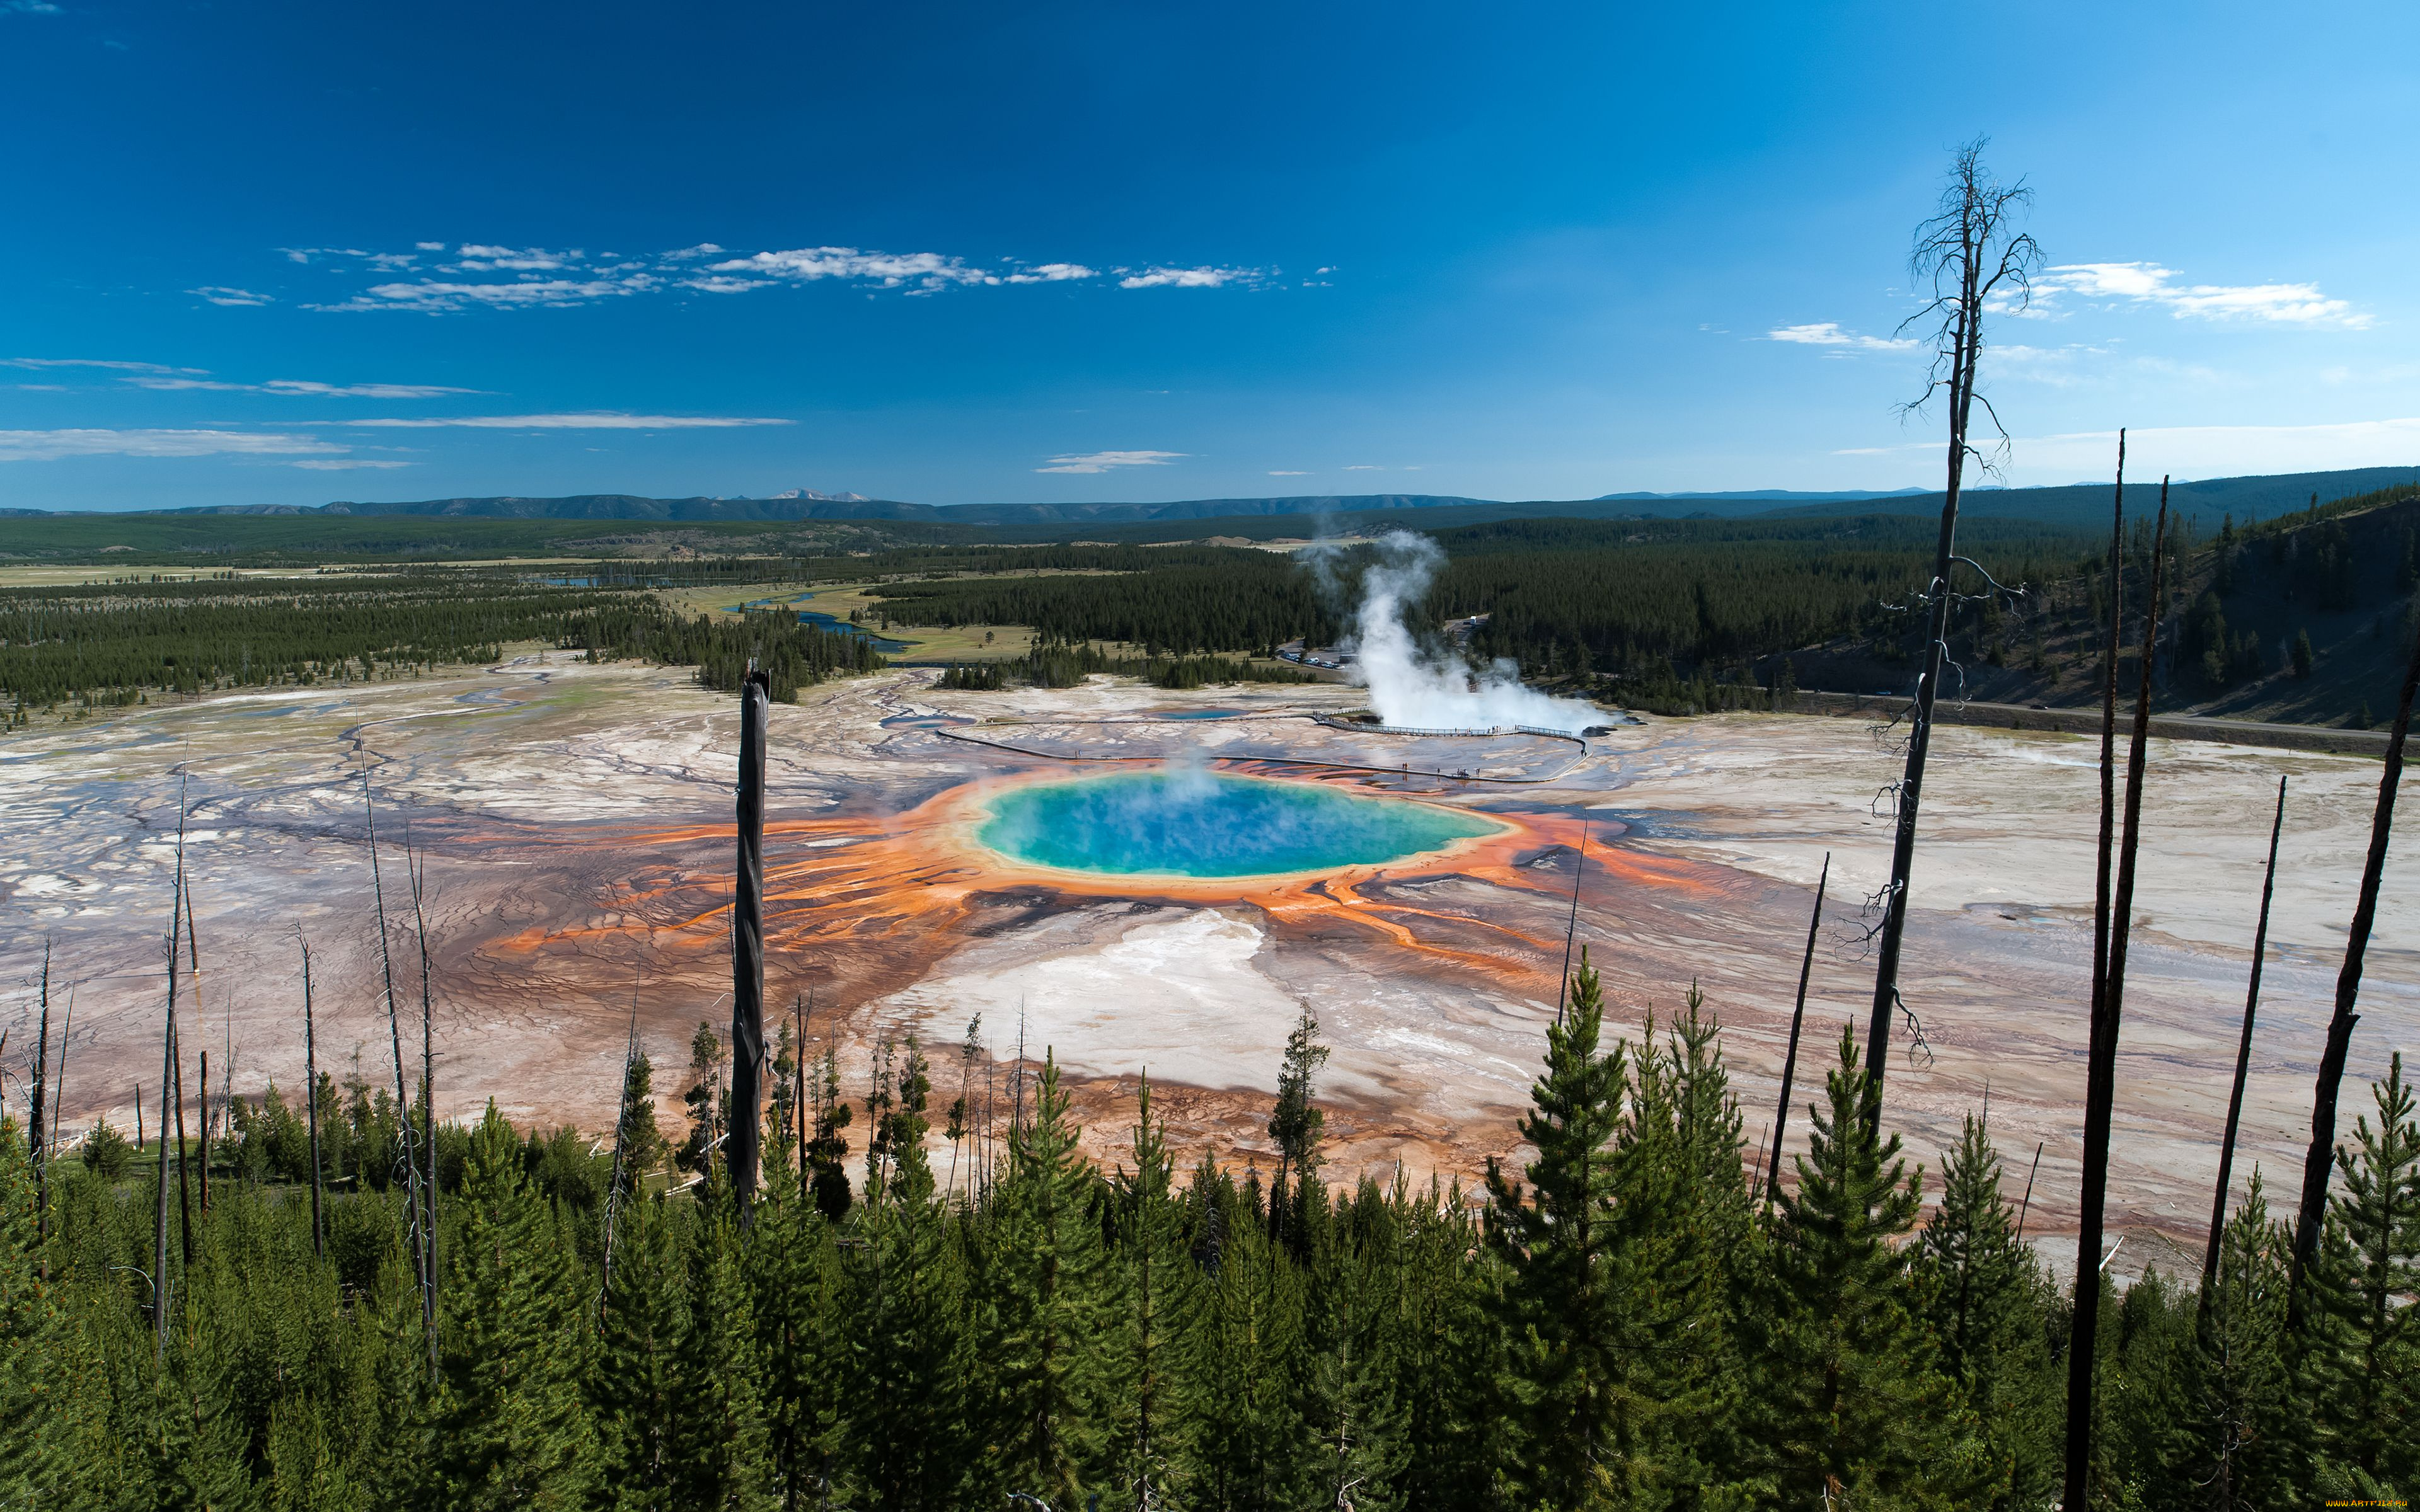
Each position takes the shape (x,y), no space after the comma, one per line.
(1212,824)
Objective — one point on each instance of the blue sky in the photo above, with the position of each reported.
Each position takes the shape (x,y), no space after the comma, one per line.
(290,253)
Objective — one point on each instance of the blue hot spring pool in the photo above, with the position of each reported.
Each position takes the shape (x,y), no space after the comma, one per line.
(1212,824)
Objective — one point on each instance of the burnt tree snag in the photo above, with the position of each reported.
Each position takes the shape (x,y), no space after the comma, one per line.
(1797,1021)
(2101,1076)
(748,949)
(2320,1160)
(1973,260)
(2242,1067)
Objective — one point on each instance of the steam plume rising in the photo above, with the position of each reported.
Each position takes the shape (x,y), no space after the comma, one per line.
(1416,688)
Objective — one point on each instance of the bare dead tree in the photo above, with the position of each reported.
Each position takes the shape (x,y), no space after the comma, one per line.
(415,869)
(1797,1022)
(59,1092)
(34,1126)
(621,1141)
(2027,1207)
(1974,263)
(2319,1160)
(402,1093)
(803,1013)
(311,1078)
(184,1179)
(2242,1068)
(2101,1076)
(748,950)
(167,1078)
(1571,928)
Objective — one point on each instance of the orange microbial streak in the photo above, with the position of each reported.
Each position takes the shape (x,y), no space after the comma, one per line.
(899,885)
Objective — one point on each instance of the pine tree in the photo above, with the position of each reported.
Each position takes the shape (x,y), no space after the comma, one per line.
(803,1329)
(2235,1434)
(720,1462)
(913,1423)
(32,1385)
(1850,1401)
(1247,1447)
(1561,1302)
(1296,1124)
(1157,1291)
(643,1142)
(1053,1296)
(1983,1295)
(704,1098)
(1356,1413)
(2367,1352)
(636,1388)
(511,1428)
(828,1152)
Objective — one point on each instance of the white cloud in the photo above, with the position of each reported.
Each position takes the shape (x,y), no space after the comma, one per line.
(218,294)
(1287,473)
(1365,467)
(1186,277)
(591,421)
(50,445)
(343,464)
(28,8)
(304,388)
(95,361)
(431,297)
(299,388)
(1828,333)
(1051,273)
(487,276)
(2144,282)
(475,258)
(1103,461)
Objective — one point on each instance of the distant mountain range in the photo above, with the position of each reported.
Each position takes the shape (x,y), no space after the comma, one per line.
(2085,504)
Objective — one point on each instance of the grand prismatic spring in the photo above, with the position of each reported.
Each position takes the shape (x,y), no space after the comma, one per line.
(1137,881)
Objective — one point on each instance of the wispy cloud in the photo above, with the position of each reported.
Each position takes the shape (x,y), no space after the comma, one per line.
(2150,283)
(343,464)
(51,445)
(432,296)
(1286,472)
(479,275)
(109,364)
(27,8)
(1103,462)
(1187,277)
(297,388)
(593,421)
(1828,333)
(236,297)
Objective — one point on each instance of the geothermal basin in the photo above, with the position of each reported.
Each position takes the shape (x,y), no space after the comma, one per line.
(1132,892)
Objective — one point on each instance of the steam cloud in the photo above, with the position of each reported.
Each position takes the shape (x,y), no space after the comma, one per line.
(1417,690)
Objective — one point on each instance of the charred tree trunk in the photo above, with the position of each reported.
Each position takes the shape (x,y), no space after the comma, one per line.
(402,1090)
(1952,250)
(167,1078)
(748,950)
(2242,1067)
(311,1076)
(2319,1160)
(2101,1078)
(35,1126)
(415,867)
(1797,1022)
